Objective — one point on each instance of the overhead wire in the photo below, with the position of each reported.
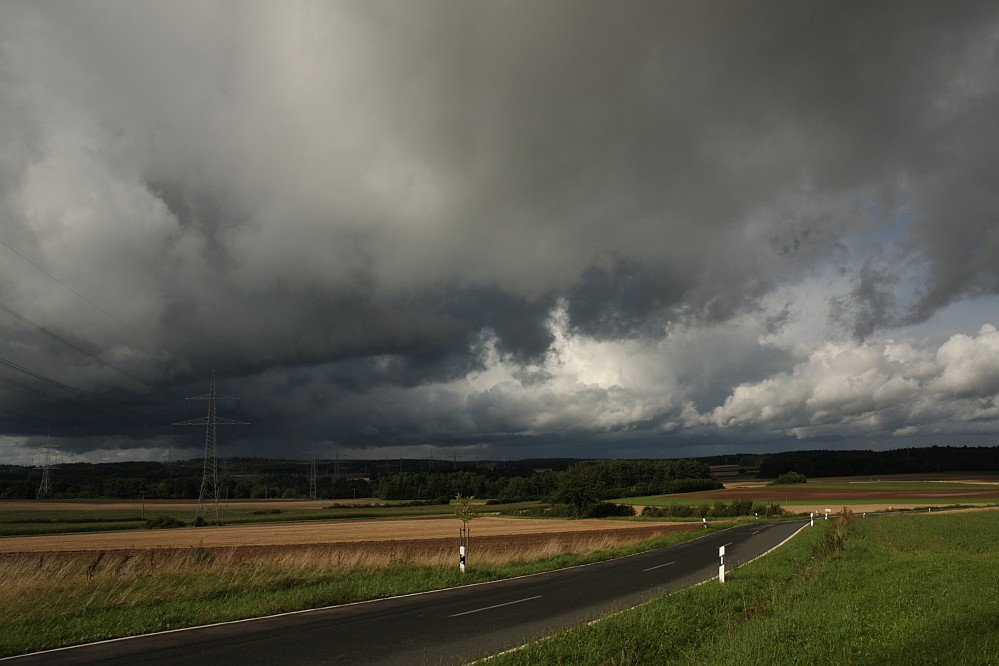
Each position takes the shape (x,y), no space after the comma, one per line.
(38,375)
(68,343)
(74,291)
(30,389)
(89,402)
(92,303)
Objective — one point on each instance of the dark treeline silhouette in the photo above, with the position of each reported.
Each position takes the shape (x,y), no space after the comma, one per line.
(617,478)
(434,479)
(251,478)
(866,463)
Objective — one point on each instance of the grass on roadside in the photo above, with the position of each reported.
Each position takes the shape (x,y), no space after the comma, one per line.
(906,589)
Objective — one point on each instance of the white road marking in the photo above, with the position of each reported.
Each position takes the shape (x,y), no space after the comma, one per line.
(660,566)
(509,603)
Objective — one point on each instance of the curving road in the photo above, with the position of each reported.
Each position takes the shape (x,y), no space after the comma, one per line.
(452,626)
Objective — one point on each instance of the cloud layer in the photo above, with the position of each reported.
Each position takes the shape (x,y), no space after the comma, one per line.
(394,224)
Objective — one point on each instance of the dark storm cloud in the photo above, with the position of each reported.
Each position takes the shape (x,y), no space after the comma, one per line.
(432,211)
(870,305)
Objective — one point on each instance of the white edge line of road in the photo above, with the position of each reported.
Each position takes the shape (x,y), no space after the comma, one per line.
(324,608)
(625,610)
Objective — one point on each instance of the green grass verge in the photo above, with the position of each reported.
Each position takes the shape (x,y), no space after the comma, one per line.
(903,589)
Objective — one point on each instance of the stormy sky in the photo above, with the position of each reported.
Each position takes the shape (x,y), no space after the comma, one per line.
(498,229)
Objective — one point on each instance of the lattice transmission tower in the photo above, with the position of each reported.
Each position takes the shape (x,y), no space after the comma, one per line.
(45,488)
(313,476)
(209,495)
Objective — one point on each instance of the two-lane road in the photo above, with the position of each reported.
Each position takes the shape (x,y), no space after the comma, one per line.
(451,626)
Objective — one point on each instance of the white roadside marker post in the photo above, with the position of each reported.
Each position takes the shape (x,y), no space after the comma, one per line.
(461,558)
(811,519)
(705,520)
(721,568)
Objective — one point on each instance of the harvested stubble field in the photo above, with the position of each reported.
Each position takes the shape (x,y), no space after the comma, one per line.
(385,535)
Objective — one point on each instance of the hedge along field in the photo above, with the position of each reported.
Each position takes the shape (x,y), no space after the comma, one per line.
(906,589)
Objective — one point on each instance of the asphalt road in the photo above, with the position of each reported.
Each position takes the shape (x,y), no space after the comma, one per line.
(447,627)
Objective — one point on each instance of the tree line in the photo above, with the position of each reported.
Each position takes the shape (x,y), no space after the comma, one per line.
(261,479)
(253,478)
(897,461)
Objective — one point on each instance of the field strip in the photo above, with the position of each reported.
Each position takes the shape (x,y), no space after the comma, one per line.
(311,533)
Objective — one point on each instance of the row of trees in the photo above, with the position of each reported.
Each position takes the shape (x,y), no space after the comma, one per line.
(406,479)
(866,463)
(270,479)
(603,479)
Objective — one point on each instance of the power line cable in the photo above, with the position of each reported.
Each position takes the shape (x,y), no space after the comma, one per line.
(38,375)
(74,291)
(30,389)
(93,304)
(55,336)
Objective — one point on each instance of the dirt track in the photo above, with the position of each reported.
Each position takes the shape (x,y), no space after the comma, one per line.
(438,530)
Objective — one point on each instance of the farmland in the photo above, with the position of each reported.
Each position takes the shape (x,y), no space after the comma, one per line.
(861,494)
(434,530)
(27,517)
(280,555)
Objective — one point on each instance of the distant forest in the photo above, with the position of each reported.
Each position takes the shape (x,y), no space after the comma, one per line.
(439,480)
(866,463)
(428,480)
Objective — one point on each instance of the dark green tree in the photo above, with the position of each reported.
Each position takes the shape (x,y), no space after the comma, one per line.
(580,487)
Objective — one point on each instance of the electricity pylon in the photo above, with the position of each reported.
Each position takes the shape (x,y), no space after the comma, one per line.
(210,481)
(45,488)
(312,475)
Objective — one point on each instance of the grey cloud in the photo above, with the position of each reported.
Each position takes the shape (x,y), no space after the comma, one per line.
(353,201)
(870,305)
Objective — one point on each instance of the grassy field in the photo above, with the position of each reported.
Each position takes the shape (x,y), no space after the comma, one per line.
(667,500)
(50,600)
(902,589)
(790,503)
(22,522)
(863,493)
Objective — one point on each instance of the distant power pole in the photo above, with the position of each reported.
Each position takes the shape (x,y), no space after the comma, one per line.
(210,480)
(45,487)
(312,475)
